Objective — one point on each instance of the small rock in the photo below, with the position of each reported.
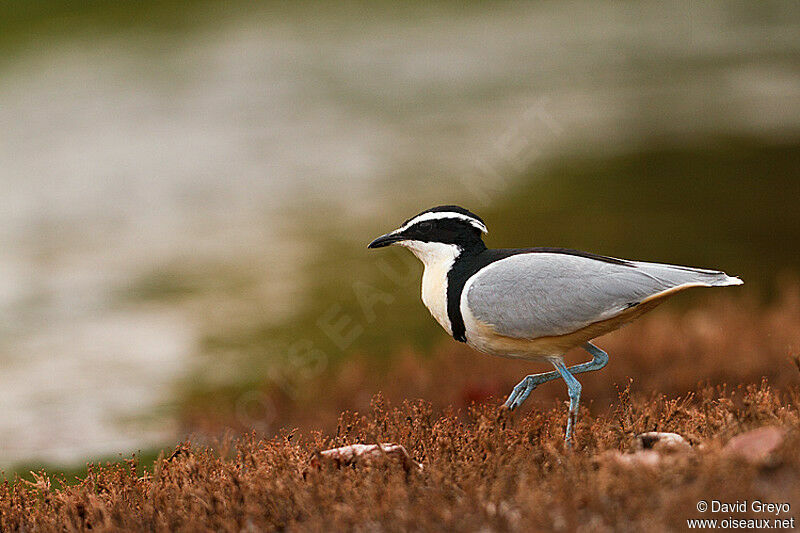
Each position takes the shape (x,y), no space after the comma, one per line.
(662,442)
(757,446)
(349,455)
(652,449)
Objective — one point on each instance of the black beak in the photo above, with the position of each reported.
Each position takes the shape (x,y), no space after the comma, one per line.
(386,240)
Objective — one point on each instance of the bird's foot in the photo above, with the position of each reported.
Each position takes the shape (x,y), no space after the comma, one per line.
(520,393)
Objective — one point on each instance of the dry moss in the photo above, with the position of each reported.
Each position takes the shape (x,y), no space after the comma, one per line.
(482,471)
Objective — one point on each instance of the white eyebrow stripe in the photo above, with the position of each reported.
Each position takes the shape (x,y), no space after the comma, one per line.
(438,215)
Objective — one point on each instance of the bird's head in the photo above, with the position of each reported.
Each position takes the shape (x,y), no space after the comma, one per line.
(442,229)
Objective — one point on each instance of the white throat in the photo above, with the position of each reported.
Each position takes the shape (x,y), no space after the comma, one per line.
(437,258)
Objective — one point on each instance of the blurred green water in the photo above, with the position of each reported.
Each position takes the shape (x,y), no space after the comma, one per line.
(26,21)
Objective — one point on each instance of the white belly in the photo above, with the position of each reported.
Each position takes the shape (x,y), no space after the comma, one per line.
(437,258)
(434,295)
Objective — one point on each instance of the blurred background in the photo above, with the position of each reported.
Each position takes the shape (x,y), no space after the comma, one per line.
(188,189)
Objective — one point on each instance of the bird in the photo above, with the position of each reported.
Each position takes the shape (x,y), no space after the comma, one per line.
(534,304)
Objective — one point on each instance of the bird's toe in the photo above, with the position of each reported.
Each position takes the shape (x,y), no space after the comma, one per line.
(510,402)
(520,393)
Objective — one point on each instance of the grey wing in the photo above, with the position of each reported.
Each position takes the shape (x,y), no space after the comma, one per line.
(532,295)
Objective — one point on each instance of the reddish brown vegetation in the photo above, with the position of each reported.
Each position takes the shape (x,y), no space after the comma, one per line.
(481,472)
(483,469)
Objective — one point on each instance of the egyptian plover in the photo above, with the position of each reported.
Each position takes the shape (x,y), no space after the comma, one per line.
(533,303)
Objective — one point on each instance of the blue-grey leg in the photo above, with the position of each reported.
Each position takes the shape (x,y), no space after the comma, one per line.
(523,389)
(574,388)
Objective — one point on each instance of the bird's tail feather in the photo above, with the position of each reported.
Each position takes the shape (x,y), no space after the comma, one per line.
(678,275)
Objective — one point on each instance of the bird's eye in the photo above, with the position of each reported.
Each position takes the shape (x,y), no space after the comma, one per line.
(425,227)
